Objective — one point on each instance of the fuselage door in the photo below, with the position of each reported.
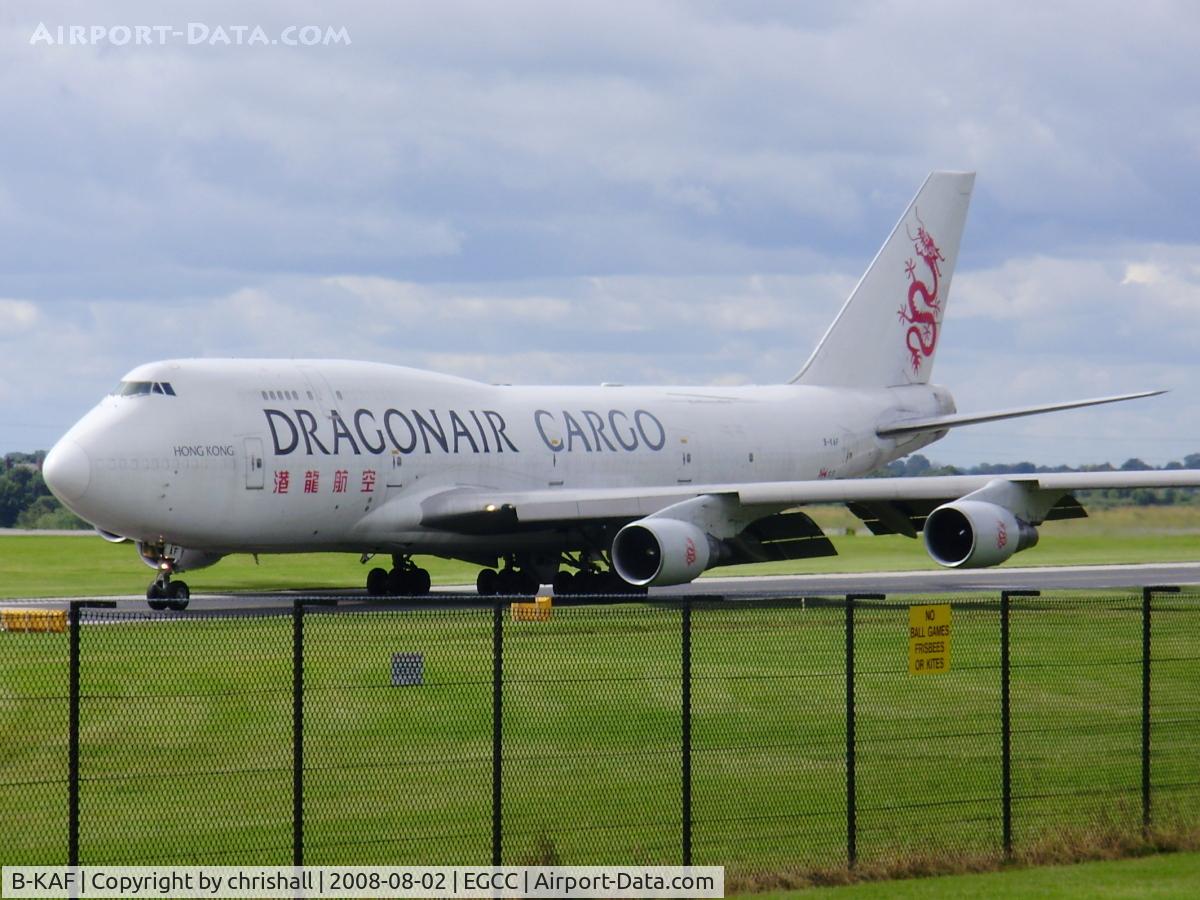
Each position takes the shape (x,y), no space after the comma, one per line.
(256,467)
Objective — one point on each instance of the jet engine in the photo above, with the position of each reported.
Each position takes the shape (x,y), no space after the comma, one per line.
(973,534)
(654,552)
(178,559)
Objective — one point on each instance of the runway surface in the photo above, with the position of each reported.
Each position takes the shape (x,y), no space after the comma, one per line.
(945,581)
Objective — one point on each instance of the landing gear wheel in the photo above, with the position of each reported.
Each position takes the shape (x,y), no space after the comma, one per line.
(564,583)
(156,595)
(178,594)
(377,582)
(411,582)
(516,583)
(419,582)
(487,582)
(397,581)
(508,582)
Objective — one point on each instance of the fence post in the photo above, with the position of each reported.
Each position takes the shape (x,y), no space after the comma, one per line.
(851,798)
(298,725)
(73,724)
(497,729)
(1147,597)
(851,762)
(298,733)
(1006,716)
(73,743)
(686,653)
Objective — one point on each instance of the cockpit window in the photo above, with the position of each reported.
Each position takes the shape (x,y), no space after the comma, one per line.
(137,388)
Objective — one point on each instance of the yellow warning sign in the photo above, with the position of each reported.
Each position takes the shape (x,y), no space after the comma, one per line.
(928,639)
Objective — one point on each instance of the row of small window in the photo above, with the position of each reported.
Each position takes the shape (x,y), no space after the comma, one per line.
(136,388)
(290,395)
(168,465)
(284,395)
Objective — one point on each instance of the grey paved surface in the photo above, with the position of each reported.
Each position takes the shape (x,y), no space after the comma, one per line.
(923,582)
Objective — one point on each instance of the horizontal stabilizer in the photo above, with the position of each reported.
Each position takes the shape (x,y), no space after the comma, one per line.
(939,423)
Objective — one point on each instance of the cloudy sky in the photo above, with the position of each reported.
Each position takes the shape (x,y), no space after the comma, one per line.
(581,192)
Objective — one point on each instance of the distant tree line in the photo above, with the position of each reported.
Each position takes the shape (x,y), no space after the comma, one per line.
(26,502)
(918,465)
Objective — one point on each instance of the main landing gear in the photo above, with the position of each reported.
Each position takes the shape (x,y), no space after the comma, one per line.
(509,581)
(406,579)
(164,593)
(523,575)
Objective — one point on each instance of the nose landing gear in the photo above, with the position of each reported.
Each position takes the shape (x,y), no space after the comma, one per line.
(163,593)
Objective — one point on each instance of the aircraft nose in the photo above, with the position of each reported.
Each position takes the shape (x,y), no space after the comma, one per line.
(67,470)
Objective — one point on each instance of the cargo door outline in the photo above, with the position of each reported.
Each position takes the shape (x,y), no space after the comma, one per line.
(256,472)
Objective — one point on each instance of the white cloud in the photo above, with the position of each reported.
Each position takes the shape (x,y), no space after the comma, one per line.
(16,316)
(600,191)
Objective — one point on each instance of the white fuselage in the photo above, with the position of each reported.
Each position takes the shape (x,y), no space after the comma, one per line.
(290,456)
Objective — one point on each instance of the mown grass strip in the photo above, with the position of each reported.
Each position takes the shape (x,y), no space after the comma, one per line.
(86,566)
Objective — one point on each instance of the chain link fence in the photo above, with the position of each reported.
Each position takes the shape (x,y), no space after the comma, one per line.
(769,735)
(34,734)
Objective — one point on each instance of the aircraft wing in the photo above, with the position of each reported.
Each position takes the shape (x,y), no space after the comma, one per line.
(480,510)
(938,423)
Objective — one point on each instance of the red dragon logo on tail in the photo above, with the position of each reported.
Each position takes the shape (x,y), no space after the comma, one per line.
(921,337)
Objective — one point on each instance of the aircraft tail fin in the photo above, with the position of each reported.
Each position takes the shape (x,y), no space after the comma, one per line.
(887,332)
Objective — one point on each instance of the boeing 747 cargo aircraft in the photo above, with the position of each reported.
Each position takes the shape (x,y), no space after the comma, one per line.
(590,489)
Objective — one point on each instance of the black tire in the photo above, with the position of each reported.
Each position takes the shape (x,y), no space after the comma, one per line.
(178,595)
(154,592)
(508,582)
(564,583)
(377,582)
(397,583)
(486,583)
(419,582)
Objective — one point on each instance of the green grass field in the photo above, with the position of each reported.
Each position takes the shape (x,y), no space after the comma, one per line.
(186,738)
(1173,876)
(186,727)
(41,566)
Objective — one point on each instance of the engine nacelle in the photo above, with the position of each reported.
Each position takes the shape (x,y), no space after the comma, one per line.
(973,534)
(176,559)
(655,552)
